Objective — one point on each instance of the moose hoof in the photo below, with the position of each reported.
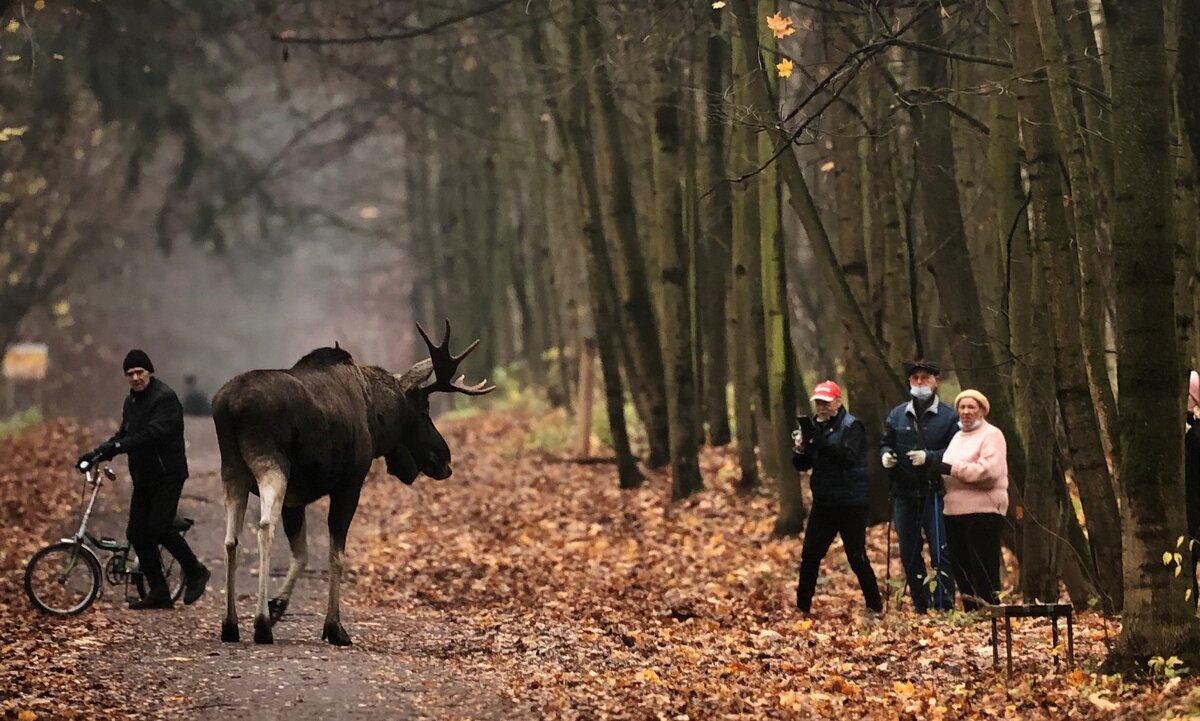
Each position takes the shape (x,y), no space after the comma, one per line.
(262,630)
(277,607)
(335,634)
(229,632)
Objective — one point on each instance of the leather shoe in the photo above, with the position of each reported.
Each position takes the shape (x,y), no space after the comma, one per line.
(196,582)
(152,600)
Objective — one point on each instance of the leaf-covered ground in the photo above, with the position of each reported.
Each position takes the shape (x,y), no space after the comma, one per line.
(538,574)
(41,675)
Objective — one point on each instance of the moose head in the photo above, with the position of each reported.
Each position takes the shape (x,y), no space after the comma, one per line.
(422,448)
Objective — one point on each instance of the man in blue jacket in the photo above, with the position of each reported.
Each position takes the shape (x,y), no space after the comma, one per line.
(835,448)
(915,435)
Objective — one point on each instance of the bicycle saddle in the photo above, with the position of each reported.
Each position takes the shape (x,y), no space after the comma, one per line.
(182,524)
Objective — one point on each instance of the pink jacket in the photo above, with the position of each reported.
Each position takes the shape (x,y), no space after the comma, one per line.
(978,480)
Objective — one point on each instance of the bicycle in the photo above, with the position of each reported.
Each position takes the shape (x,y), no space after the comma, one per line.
(65,578)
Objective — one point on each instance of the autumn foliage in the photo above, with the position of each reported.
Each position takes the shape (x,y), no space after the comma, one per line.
(589,602)
(594,602)
(41,671)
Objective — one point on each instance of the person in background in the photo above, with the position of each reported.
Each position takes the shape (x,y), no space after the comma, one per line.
(836,452)
(151,432)
(975,472)
(195,402)
(914,436)
(1191,474)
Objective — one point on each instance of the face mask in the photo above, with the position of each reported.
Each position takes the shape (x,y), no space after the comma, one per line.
(971,427)
(921,393)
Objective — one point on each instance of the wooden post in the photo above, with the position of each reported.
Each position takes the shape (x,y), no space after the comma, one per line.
(583,415)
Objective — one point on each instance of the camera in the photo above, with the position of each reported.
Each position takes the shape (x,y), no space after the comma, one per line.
(806,428)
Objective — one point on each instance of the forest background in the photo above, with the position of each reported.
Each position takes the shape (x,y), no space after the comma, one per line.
(698,209)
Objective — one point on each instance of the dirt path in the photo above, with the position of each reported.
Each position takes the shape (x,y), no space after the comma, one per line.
(397,668)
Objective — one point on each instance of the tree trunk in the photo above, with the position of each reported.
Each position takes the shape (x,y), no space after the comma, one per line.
(960,314)
(713,259)
(897,315)
(675,310)
(1084,253)
(1084,60)
(1189,72)
(1030,342)
(583,407)
(801,200)
(779,401)
(864,396)
(575,128)
(1186,216)
(1041,105)
(1156,619)
(645,368)
(746,266)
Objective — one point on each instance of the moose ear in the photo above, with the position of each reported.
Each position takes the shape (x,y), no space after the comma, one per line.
(415,376)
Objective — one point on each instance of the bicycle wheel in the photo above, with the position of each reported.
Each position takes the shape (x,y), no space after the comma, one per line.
(171,571)
(63,579)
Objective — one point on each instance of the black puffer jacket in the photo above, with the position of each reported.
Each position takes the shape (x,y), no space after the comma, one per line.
(838,459)
(151,433)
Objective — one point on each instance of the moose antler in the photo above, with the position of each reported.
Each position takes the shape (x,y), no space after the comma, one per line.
(445,365)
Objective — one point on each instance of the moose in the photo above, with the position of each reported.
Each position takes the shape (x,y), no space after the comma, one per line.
(294,436)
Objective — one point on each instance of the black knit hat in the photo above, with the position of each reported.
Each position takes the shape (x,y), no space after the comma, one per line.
(137,358)
(929,367)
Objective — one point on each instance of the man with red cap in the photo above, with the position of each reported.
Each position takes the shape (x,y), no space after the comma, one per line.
(834,447)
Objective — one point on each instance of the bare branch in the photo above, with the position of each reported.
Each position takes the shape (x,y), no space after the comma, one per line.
(287,36)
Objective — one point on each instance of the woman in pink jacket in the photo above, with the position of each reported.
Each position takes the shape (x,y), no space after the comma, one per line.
(976,478)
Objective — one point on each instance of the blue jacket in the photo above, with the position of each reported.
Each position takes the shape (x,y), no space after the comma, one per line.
(902,433)
(838,459)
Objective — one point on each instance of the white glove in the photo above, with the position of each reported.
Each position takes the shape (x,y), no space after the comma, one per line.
(917,457)
(889,460)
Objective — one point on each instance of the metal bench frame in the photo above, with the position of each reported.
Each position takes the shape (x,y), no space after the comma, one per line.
(1009,611)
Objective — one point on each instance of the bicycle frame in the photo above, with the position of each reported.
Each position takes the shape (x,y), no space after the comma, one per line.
(94,478)
(117,550)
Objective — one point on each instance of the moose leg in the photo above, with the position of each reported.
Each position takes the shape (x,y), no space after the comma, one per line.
(341,512)
(237,492)
(272,484)
(293,526)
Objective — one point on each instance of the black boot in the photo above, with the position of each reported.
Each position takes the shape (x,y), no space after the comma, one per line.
(157,598)
(196,581)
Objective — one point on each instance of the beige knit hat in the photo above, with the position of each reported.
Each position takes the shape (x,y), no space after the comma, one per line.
(980,398)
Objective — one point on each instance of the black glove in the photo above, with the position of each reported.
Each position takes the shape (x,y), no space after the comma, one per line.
(942,468)
(103,452)
(88,458)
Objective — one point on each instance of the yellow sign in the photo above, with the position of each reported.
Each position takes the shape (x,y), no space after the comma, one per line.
(26,361)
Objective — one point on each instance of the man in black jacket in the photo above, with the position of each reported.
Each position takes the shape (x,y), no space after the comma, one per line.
(837,454)
(151,432)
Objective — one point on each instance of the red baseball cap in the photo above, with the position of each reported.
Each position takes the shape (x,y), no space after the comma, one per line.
(826,391)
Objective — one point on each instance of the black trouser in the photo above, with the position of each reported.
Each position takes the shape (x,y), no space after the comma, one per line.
(151,515)
(974,540)
(824,523)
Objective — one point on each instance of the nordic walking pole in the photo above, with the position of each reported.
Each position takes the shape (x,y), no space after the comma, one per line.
(887,574)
